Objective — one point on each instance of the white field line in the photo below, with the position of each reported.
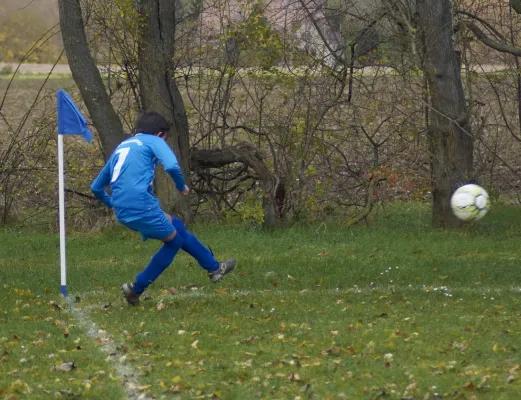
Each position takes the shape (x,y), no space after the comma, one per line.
(128,375)
(443,291)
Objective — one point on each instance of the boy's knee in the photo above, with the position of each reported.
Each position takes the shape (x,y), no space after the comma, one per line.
(179,226)
(176,241)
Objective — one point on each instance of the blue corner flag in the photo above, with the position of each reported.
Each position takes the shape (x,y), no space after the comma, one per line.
(70,122)
(70,119)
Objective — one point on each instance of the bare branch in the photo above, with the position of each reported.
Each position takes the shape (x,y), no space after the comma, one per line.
(485,23)
(27,5)
(502,47)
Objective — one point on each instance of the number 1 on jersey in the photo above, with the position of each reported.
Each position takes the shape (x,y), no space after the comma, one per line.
(122,153)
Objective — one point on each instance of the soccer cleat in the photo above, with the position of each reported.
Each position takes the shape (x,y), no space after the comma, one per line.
(223,269)
(131,296)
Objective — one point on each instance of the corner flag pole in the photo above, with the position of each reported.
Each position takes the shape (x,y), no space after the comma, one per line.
(61,189)
(70,122)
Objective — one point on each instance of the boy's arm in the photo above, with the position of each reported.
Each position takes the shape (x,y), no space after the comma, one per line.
(169,161)
(100,183)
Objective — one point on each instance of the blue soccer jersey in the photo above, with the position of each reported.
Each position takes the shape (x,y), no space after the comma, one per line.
(130,172)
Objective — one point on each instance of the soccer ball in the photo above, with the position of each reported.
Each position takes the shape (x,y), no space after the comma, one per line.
(470,202)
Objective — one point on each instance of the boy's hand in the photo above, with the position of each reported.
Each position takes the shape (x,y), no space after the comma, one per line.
(186,191)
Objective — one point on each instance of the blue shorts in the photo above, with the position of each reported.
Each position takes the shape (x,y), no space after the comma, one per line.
(154,224)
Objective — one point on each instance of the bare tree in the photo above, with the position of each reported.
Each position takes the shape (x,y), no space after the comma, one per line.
(451,143)
(158,90)
(87,76)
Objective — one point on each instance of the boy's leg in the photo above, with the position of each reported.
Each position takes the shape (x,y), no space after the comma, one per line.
(202,254)
(159,262)
(194,247)
(154,226)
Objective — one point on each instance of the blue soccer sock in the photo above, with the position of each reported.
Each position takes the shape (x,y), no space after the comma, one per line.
(159,262)
(194,247)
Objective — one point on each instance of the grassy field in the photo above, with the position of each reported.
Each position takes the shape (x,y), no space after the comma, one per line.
(397,310)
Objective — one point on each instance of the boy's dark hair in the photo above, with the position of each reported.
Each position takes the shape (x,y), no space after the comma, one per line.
(151,123)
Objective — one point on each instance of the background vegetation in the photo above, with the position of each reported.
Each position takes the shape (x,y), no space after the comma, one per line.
(338,135)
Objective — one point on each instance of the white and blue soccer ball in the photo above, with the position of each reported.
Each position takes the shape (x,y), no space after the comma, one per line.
(470,202)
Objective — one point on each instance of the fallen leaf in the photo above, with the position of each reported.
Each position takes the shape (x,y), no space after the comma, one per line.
(327,351)
(66,333)
(66,367)
(497,348)
(247,363)
(56,306)
(194,344)
(20,385)
(172,291)
(160,307)
(460,346)
(176,379)
(249,340)
(294,377)
(191,286)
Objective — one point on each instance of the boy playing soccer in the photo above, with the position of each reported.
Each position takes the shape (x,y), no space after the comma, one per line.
(130,172)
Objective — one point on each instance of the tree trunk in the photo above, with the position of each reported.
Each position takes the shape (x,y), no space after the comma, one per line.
(87,77)
(450,141)
(159,92)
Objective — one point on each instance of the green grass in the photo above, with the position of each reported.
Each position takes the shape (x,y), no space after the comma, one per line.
(397,310)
